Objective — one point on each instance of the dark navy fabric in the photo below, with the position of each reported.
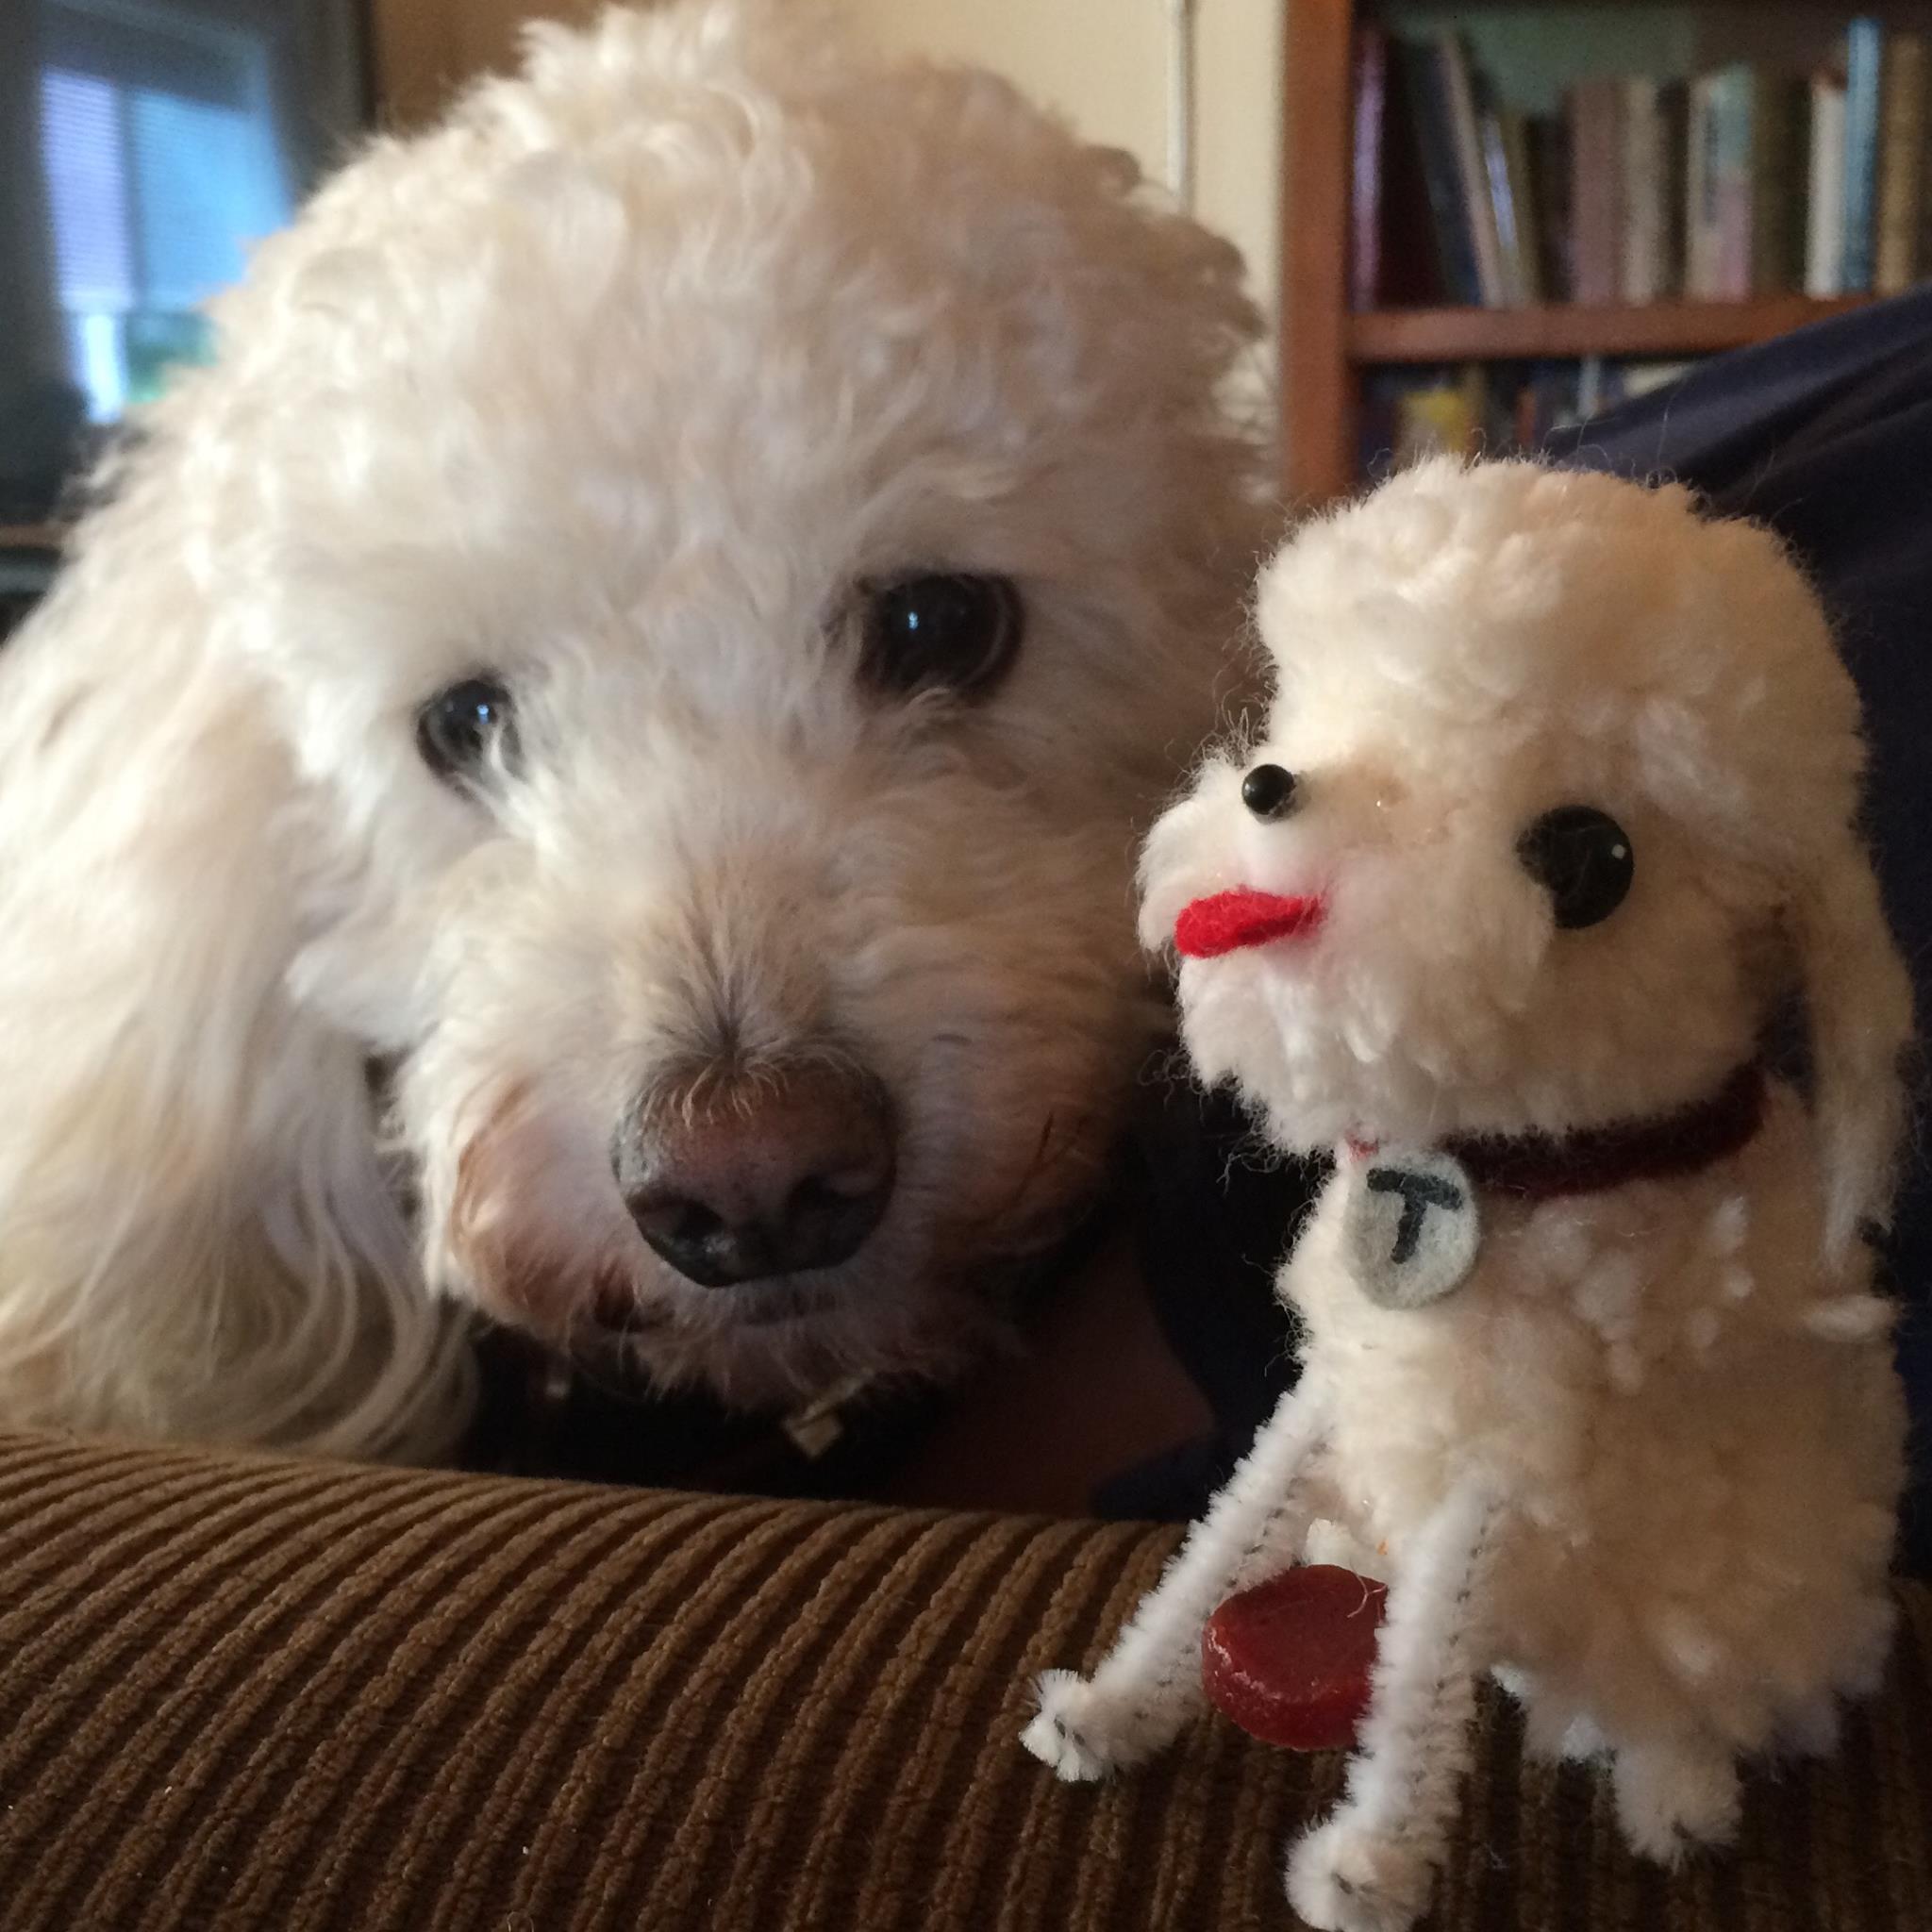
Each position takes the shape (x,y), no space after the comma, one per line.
(1826,435)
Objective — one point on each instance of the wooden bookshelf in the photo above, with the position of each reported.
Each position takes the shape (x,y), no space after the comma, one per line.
(1325,348)
(1651,328)
(424,50)
(1317,376)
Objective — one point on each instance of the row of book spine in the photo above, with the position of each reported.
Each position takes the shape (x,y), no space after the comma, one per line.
(1724,185)
(1492,408)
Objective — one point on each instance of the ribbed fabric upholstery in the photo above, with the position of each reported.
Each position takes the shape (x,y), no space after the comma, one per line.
(243,1692)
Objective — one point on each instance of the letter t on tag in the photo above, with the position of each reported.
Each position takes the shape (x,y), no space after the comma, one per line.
(1410,1227)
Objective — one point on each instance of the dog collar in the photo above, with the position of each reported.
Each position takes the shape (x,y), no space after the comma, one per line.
(1542,1167)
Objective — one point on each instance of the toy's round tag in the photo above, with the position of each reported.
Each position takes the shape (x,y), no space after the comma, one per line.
(1410,1227)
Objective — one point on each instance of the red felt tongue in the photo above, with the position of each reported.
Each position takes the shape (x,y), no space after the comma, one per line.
(1291,1661)
(1225,921)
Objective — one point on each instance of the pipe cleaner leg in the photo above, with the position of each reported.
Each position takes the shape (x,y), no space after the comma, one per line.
(1371,1866)
(1149,1684)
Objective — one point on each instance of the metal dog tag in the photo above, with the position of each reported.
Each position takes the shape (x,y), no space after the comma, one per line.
(1410,1228)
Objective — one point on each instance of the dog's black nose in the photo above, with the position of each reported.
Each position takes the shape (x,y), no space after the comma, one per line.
(1268,791)
(745,1179)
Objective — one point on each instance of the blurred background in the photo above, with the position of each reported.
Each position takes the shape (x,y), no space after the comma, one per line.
(142,148)
(1496,220)
(1499,219)
(144,144)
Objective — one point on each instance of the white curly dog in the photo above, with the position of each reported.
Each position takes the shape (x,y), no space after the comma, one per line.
(589,767)
(1555,801)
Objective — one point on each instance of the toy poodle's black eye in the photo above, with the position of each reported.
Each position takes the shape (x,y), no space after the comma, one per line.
(1269,791)
(461,730)
(946,633)
(1581,856)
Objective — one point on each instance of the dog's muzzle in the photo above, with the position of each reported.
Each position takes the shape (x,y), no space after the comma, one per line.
(738,1178)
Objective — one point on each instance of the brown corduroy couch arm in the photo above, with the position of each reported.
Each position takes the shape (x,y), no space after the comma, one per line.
(243,1693)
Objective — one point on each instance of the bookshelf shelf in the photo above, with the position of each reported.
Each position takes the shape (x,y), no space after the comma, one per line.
(1651,328)
(1334,358)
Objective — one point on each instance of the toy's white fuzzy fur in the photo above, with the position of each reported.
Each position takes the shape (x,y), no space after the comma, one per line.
(618,384)
(1644,1462)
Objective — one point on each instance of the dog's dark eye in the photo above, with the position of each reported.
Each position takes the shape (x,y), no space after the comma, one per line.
(947,633)
(1581,856)
(462,730)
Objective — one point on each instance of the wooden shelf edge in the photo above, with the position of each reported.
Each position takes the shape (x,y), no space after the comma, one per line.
(32,536)
(1655,328)
(1316,397)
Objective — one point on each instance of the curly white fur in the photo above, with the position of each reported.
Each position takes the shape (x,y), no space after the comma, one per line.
(1644,1462)
(618,386)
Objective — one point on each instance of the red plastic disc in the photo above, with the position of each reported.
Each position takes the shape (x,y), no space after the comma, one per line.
(1291,1661)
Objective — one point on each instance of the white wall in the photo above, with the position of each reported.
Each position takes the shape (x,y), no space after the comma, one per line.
(1238,122)
(1104,63)
(1098,60)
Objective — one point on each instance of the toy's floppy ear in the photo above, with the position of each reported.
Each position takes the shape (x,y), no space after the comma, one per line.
(1859,997)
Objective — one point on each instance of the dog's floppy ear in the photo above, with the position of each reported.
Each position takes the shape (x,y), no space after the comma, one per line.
(1859,998)
(195,1235)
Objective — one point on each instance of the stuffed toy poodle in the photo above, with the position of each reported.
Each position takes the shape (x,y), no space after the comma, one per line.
(589,767)
(1553,817)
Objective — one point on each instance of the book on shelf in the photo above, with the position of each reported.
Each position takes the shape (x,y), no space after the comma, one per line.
(1703,225)
(1513,258)
(1597,194)
(1369,138)
(1735,106)
(1864,40)
(1551,185)
(1901,163)
(1527,236)
(1473,179)
(1750,180)
(1655,137)
(1491,408)
(1451,220)
(1779,153)
(1392,251)
(1824,201)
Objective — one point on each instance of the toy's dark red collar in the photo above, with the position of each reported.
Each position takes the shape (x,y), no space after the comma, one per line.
(1540,1167)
